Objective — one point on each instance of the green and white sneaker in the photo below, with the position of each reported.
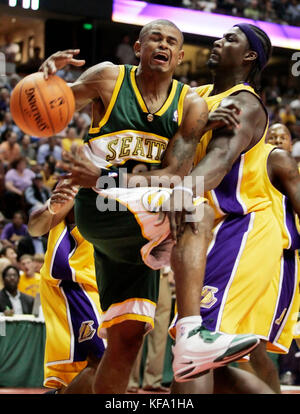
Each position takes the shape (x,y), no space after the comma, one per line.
(200,350)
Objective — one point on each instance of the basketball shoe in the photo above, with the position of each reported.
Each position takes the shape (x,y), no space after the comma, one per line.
(199,350)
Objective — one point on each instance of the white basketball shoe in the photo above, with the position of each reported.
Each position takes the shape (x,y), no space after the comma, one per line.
(199,350)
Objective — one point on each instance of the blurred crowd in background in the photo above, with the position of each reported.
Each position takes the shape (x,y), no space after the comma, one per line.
(277,11)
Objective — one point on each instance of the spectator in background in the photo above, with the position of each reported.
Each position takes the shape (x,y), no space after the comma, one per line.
(12,301)
(36,194)
(125,53)
(287,115)
(71,139)
(280,136)
(29,278)
(49,174)
(4,262)
(11,50)
(9,253)
(8,124)
(13,80)
(50,147)
(10,150)
(15,230)
(28,150)
(81,124)
(268,12)
(252,10)
(33,64)
(4,99)
(17,179)
(67,74)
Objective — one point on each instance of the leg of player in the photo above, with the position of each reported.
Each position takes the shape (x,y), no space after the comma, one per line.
(196,348)
(264,367)
(82,383)
(202,385)
(123,343)
(231,380)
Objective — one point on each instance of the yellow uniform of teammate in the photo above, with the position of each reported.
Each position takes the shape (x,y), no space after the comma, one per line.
(70,304)
(284,288)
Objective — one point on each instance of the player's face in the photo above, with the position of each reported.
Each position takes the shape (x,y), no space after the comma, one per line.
(160,48)
(229,51)
(280,138)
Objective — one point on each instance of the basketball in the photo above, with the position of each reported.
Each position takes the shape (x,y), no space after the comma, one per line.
(42,107)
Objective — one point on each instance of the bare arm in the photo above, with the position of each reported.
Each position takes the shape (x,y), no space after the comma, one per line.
(284,175)
(42,221)
(227,144)
(96,82)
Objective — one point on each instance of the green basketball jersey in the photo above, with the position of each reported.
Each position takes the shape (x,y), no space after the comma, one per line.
(128,133)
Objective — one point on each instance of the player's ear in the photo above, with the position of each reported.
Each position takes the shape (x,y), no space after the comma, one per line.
(180,57)
(250,56)
(137,48)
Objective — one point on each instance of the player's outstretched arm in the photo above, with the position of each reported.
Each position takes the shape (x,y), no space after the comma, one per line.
(96,82)
(53,211)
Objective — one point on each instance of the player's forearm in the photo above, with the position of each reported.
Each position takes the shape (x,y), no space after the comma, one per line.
(40,222)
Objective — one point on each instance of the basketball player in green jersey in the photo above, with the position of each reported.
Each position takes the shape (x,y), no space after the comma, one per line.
(140,116)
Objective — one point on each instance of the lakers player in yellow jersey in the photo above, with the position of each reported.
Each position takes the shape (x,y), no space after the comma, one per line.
(231,162)
(140,116)
(69,297)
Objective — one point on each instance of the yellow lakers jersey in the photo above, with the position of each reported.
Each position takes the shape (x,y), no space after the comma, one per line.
(68,257)
(241,190)
(282,209)
(29,285)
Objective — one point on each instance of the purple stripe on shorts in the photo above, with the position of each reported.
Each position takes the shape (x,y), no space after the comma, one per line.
(286,291)
(220,263)
(226,191)
(291,225)
(84,322)
(60,267)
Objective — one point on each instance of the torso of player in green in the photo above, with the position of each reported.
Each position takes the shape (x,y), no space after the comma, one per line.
(128,134)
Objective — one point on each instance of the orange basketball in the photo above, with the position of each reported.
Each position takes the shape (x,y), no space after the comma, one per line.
(42,107)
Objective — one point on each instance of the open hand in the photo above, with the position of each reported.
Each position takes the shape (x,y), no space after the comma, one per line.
(226,115)
(59,60)
(81,171)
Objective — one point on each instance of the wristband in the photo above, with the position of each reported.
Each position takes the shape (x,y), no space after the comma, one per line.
(188,190)
(49,207)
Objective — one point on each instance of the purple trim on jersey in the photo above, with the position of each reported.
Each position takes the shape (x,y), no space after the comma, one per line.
(226,191)
(220,263)
(81,311)
(291,225)
(286,292)
(60,266)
